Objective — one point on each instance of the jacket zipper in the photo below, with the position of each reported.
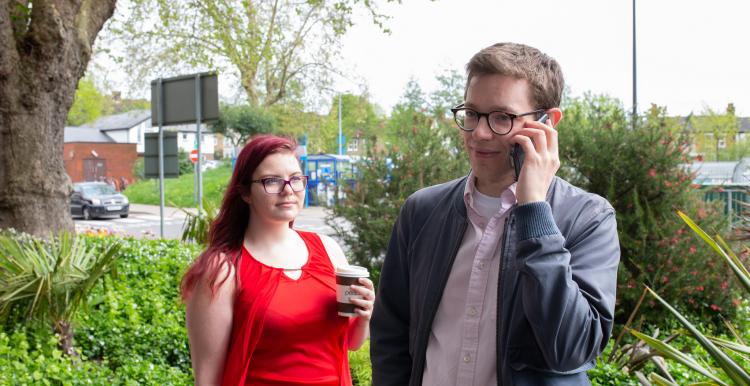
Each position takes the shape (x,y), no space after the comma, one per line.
(499,337)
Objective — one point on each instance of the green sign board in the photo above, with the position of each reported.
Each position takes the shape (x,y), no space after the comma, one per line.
(151,155)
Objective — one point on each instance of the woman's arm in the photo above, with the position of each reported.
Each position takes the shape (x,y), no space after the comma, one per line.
(209,324)
(359,327)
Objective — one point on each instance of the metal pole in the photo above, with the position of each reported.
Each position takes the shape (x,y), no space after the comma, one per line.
(198,107)
(730,210)
(341,137)
(160,114)
(635,92)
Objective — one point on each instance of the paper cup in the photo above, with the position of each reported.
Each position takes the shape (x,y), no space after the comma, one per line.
(345,277)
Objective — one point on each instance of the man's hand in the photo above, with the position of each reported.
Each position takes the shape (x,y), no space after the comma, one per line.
(539,143)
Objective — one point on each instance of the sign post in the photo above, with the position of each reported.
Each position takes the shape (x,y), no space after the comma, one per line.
(181,100)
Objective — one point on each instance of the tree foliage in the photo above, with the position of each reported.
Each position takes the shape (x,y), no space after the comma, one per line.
(416,153)
(642,172)
(714,134)
(358,118)
(277,48)
(241,122)
(89,104)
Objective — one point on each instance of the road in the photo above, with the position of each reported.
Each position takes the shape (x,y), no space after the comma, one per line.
(143,222)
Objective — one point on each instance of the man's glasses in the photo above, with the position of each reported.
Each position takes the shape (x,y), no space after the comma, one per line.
(500,122)
(276,185)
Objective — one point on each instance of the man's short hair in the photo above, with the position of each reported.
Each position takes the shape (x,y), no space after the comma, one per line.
(521,61)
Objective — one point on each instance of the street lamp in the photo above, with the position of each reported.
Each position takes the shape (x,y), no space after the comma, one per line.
(635,94)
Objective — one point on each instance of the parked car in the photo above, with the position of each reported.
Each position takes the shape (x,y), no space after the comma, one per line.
(97,199)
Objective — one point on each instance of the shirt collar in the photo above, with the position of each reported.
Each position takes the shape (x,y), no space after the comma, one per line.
(508,196)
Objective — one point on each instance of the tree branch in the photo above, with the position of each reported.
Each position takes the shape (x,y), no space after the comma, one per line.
(269,35)
(90,19)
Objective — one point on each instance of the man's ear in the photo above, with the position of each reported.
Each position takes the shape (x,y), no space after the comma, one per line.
(555,114)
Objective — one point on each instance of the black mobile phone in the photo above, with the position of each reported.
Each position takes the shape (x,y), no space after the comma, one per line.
(516,153)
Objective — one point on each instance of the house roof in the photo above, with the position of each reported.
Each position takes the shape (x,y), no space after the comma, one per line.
(122,121)
(744,124)
(734,173)
(85,134)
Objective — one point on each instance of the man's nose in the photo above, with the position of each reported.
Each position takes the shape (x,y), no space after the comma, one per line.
(483,130)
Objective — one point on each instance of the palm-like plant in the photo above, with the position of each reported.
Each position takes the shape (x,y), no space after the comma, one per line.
(197,224)
(49,280)
(735,370)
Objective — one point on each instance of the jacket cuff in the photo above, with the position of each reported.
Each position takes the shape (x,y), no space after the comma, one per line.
(535,220)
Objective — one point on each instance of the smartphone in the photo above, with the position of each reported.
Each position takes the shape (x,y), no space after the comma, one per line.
(516,153)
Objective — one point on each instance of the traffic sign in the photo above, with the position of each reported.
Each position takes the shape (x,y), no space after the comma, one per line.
(194,156)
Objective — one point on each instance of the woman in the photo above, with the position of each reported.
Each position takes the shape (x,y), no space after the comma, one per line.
(261,299)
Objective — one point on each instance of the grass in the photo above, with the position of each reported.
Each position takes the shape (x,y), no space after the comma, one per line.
(179,192)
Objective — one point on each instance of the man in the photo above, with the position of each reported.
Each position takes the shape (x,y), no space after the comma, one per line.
(491,281)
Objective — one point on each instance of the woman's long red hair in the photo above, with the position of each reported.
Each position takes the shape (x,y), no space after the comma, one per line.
(228,229)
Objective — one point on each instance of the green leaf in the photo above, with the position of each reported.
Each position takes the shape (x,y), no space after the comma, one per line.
(741,273)
(730,367)
(658,380)
(672,353)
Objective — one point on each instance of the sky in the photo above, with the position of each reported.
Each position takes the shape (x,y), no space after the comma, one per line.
(690,54)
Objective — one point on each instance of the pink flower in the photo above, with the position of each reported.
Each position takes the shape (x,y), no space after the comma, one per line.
(715,307)
(699,288)
(692,250)
(652,172)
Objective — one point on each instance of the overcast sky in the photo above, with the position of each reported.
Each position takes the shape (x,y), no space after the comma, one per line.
(691,54)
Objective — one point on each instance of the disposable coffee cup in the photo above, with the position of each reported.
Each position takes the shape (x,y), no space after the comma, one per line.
(345,277)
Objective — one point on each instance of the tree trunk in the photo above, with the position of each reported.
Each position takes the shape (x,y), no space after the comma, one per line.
(64,330)
(44,51)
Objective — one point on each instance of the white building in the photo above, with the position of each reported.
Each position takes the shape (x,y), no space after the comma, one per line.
(131,127)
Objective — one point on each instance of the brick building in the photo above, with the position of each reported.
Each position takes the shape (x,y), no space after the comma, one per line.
(91,155)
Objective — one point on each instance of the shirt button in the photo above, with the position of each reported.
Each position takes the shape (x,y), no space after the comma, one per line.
(467,358)
(472,311)
(481,265)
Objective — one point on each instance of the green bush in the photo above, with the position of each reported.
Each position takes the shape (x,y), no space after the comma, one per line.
(360,366)
(29,356)
(130,332)
(641,171)
(138,315)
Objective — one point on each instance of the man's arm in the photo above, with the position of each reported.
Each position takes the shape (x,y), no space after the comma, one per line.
(389,327)
(568,295)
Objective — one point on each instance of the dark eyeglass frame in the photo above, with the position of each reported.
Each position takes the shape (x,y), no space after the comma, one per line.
(462,107)
(263,182)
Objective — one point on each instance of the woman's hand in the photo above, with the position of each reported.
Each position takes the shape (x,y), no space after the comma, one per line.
(364,305)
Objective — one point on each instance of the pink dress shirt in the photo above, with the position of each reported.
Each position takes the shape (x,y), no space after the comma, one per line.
(462,347)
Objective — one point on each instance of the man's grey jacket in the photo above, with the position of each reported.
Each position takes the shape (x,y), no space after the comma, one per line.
(556,292)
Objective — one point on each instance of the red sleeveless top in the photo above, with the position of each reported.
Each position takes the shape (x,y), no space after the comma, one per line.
(286,331)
